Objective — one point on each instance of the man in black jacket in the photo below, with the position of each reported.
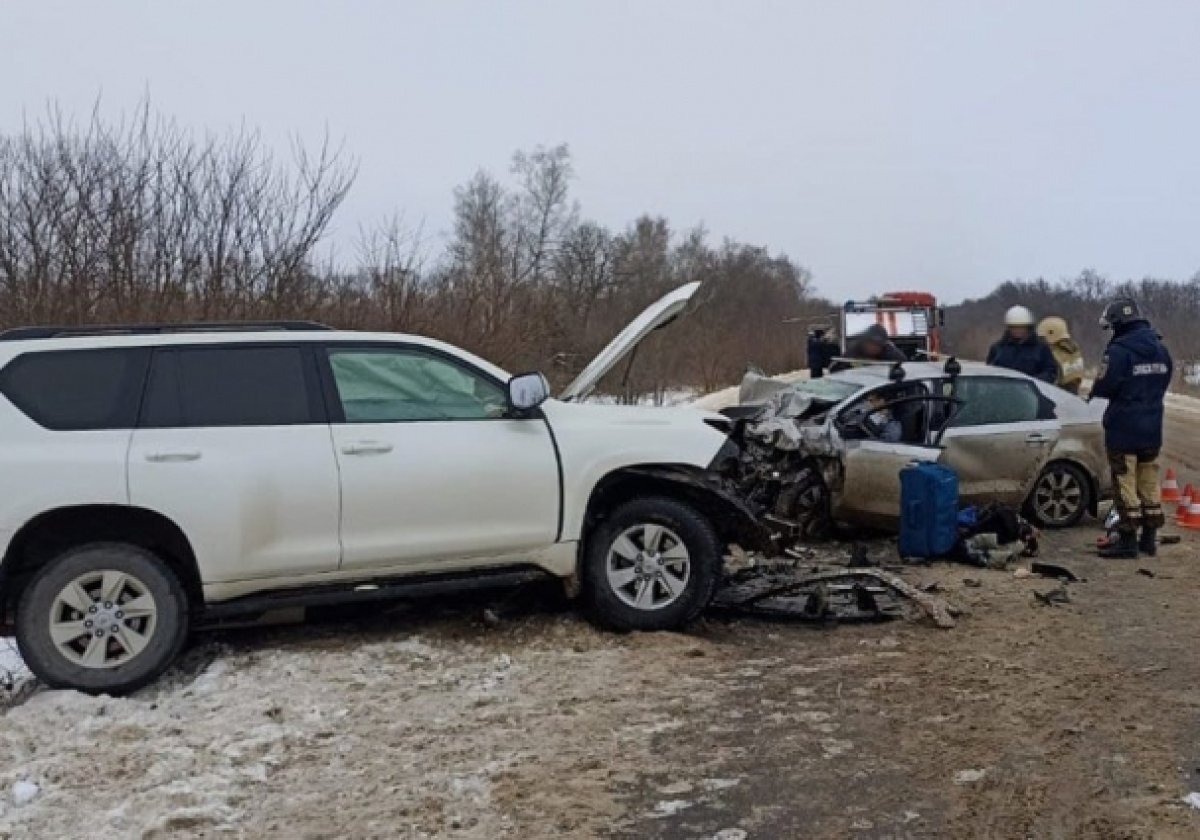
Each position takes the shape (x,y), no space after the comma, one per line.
(1021,349)
(1134,377)
(821,351)
(871,345)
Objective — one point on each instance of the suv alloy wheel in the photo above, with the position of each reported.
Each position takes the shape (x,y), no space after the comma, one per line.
(103,618)
(652,564)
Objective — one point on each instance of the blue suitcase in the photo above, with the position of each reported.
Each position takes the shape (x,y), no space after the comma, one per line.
(928,510)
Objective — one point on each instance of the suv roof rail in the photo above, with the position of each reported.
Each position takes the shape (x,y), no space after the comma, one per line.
(27,333)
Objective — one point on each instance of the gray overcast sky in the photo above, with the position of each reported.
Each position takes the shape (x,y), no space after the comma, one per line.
(887,144)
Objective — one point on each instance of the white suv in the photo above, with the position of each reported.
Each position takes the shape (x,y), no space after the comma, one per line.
(156,479)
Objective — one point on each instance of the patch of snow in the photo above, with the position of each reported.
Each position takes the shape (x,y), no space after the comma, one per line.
(24,792)
(670,807)
(832,747)
(730,834)
(968,777)
(1183,403)
(1193,799)
(720,784)
(13,671)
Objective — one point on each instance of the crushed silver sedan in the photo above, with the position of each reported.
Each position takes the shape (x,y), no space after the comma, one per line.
(810,454)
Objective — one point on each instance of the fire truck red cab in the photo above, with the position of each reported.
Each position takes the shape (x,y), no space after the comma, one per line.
(912,319)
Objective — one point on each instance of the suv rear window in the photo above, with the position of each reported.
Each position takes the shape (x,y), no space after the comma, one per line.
(229,386)
(77,390)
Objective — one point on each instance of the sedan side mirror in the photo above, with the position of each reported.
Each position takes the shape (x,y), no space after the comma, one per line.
(526,391)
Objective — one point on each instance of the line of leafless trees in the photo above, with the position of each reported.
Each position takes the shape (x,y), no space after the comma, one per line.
(142,221)
(1172,306)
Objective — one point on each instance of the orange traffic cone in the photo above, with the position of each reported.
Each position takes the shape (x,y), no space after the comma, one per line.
(1185,502)
(1170,487)
(1191,519)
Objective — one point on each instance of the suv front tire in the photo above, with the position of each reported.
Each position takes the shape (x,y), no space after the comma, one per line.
(104,618)
(652,564)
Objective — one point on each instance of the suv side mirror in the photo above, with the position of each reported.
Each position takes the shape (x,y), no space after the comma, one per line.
(526,391)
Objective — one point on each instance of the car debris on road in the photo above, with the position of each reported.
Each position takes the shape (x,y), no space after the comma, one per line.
(827,591)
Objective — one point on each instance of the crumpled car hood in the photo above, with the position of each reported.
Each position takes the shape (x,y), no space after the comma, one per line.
(777,426)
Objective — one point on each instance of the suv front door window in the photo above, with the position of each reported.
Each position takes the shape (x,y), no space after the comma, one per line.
(385,387)
(433,469)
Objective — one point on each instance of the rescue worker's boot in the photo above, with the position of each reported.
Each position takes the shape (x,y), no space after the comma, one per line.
(1148,544)
(1125,547)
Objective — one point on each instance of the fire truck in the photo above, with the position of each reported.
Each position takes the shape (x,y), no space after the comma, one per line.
(912,319)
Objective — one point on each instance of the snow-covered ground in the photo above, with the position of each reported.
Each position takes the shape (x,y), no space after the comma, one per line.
(12,669)
(1183,403)
(451,731)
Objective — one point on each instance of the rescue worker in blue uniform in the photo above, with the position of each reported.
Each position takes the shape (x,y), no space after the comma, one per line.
(821,351)
(1134,377)
(1021,349)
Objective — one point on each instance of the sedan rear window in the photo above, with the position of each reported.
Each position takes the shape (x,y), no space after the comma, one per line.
(77,390)
(987,400)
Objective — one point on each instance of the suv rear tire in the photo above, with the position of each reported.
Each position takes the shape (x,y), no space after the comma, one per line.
(104,618)
(652,564)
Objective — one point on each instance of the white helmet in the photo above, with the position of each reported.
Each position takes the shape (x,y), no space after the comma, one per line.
(1018,316)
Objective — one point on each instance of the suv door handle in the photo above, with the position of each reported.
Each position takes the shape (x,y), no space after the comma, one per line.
(1036,439)
(172,457)
(367,447)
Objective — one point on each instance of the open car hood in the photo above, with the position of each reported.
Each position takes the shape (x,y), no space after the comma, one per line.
(656,315)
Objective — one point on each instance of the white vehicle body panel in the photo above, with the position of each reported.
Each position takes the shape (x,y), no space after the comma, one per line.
(596,440)
(414,494)
(43,470)
(255,502)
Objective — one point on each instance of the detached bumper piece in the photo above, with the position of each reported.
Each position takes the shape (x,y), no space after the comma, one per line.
(785,592)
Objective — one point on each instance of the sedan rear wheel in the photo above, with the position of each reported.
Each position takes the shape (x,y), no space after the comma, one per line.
(1060,497)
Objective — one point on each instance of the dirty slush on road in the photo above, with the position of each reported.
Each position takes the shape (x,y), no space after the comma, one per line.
(1069,718)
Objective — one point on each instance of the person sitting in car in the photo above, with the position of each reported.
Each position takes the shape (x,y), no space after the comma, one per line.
(1020,348)
(871,345)
(875,419)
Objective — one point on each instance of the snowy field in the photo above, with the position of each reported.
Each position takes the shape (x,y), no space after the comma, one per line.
(366,730)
